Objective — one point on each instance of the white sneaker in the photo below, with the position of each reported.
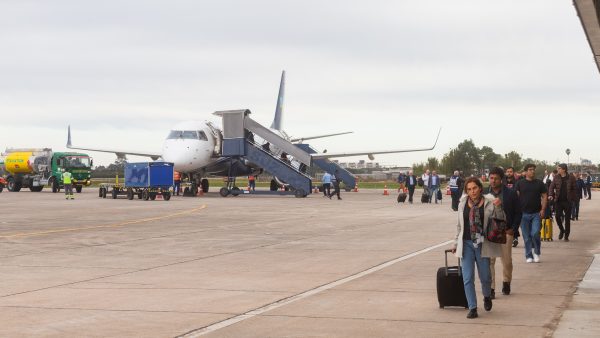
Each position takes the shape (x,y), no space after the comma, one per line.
(529,260)
(536,258)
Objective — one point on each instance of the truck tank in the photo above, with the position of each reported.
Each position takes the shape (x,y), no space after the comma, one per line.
(26,162)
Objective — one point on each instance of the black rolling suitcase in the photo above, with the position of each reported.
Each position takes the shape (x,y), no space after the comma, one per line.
(450,286)
(425,197)
(401,197)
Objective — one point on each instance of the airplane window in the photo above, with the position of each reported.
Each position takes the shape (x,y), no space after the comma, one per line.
(174,134)
(183,134)
(202,136)
(190,134)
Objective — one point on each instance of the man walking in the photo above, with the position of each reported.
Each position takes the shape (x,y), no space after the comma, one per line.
(411,183)
(510,181)
(455,192)
(327,185)
(336,185)
(532,200)
(509,201)
(563,192)
(588,185)
(434,186)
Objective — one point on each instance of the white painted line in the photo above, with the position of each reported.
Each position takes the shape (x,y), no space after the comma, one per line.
(291,299)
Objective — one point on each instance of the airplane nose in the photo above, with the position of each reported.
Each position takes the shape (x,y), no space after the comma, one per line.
(182,156)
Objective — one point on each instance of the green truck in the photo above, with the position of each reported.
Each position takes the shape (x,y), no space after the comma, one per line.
(37,168)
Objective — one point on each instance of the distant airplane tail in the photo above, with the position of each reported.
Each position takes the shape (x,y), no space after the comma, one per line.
(69,137)
(279,108)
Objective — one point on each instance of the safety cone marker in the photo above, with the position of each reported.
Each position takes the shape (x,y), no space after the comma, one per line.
(385,191)
(356,187)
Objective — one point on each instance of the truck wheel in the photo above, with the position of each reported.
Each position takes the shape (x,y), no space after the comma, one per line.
(99,192)
(140,195)
(204,185)
(153,196)
(166,196)
(224,192)
(10,184)
(129,194)
(78,189)
(114,194)
(36,189)
(145,195)
(235,191)
(299,193)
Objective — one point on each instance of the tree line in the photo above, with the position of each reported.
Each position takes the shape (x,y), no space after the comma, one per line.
(475,161)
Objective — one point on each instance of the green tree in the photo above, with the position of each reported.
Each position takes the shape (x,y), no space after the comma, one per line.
(489,158)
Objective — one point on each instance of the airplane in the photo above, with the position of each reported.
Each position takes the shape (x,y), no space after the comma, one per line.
(194,148)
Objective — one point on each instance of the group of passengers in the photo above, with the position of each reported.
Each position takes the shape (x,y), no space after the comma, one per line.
(510,202)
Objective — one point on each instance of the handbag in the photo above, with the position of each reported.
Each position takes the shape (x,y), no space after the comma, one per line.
(497,227)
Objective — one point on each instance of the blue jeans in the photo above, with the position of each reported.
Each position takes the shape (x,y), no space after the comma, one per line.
(434,189)
(470,257)
(530,230)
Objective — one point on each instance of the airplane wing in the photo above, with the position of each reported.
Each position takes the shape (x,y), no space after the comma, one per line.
(120,153)
(371,153)
(302,139)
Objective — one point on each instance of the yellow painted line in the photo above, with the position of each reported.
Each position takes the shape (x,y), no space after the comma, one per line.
(143,220)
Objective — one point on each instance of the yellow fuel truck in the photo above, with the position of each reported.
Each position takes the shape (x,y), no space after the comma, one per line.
(36,168)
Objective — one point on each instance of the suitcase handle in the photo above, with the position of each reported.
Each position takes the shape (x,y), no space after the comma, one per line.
(446,258)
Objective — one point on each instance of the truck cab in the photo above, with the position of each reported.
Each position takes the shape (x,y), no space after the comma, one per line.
(78,164)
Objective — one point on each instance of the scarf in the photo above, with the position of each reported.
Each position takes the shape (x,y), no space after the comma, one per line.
(475,224)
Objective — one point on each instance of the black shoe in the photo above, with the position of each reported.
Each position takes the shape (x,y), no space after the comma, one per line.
(339,198)
(506,288)
(515,243)
(487,303)
(566,239)
(493,294)
(561,235)
(472,313)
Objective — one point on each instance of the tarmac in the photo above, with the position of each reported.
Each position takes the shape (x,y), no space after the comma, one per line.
(270,266)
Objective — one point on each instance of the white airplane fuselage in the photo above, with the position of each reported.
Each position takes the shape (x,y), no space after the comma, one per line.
(190,145)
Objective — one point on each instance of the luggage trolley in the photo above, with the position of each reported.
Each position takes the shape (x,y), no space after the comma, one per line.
(148,179)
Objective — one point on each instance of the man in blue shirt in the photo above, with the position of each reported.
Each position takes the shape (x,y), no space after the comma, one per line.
(326,184)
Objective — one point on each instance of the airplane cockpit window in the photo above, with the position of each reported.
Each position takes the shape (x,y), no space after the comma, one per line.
(183,134)
(187,135)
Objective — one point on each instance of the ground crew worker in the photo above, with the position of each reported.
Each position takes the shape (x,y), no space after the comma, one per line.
(252,182)
(67,182)
(177,182)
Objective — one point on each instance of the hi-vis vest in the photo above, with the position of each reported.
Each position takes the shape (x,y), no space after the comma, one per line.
(66,177)
(453,183)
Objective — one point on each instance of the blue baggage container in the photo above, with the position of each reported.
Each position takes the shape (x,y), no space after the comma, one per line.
(149,174)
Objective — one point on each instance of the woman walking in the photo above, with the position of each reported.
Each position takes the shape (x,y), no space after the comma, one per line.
(474,217)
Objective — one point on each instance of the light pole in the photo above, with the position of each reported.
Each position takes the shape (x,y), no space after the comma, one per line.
(568,151)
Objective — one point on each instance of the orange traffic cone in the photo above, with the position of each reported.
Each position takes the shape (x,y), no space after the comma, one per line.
(356,187)
(385,191)
(316,190)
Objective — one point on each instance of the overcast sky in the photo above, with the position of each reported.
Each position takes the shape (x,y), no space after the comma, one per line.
(513,75)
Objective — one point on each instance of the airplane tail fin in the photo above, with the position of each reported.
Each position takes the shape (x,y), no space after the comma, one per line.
(279,108)
(69,137)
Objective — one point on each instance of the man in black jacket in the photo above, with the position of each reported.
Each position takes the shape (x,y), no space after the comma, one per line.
(410,182)
(509,201)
